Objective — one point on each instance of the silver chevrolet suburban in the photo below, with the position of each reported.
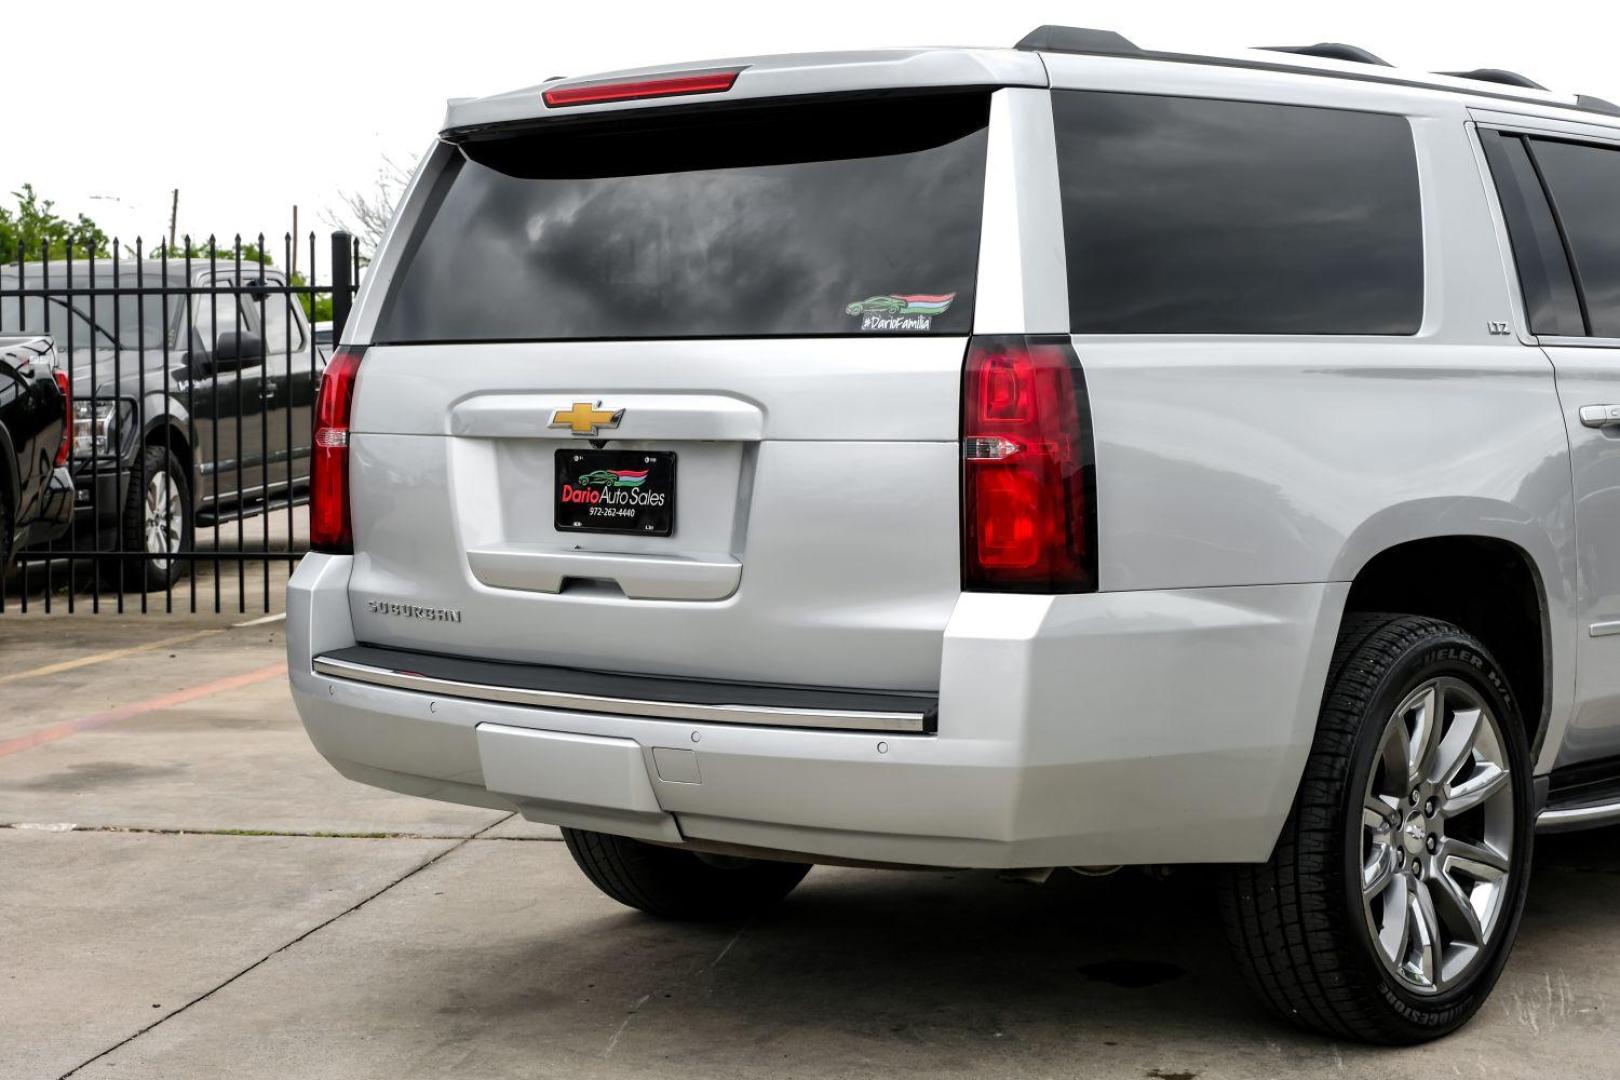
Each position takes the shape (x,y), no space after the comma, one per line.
(1075,455)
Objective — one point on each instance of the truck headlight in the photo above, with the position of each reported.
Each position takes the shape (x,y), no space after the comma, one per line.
(93,428)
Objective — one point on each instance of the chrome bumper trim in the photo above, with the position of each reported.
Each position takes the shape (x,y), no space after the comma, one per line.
(763,716)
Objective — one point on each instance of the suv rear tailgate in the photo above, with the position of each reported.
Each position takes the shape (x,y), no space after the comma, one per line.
(837,502)
(678,393)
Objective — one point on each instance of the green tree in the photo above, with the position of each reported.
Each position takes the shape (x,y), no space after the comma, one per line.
(321,310)
(34,230)
(224,253)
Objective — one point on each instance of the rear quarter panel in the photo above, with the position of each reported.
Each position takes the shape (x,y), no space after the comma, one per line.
(1238,461)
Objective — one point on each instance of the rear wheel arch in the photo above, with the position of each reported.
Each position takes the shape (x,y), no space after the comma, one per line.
(1489,586)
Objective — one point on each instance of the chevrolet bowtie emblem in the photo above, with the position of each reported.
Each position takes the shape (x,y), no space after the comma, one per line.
(585,418)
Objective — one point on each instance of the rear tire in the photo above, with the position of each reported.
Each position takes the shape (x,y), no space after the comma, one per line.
(1387,914)
(675,884)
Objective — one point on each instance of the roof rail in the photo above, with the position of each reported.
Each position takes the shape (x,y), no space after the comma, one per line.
(1070,39)
(1076,39)
(1331,50)
(1596,104)
(1494,75)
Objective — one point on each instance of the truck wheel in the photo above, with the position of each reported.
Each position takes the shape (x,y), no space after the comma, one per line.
(673,884)
(1393,896)
(157,521)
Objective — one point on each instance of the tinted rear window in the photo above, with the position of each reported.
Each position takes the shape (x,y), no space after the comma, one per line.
(1189,215)
(1544,275)
(846,217)
(1585,186)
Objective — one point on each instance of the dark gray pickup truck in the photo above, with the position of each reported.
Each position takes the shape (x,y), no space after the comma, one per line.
(192,392)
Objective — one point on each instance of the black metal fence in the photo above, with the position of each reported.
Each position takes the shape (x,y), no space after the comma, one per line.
(194,372)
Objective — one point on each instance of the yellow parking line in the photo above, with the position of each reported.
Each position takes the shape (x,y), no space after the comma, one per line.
(102,657)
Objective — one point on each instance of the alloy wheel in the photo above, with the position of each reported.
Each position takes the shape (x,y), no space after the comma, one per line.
(1437,825)
(162,519)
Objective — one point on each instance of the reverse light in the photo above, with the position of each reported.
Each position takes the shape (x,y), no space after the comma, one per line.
(65,447)
(595,93)
(1028,496)
(331,526)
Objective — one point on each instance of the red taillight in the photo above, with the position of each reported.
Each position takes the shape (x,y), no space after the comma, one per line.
(594,93)
(1028,508)
(66,445)
(331,529)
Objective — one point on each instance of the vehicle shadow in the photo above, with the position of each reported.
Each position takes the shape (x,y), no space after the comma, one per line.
(867,973)
(964,974)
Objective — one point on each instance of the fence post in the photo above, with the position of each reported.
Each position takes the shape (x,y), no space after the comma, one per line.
(342,281)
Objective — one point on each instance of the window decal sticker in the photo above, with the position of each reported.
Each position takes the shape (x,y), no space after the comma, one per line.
(900,311)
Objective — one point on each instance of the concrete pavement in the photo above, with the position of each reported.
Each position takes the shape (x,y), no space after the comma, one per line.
(187,890)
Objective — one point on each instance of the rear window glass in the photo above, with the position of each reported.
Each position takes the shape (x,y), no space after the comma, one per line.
(36,314)
(134,322)
(1544,274)
(843,217)
(1585,186)
(1198,216)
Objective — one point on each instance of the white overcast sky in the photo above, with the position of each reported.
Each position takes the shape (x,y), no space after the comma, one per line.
(251,108)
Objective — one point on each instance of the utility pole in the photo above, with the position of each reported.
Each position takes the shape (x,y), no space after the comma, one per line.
(174,216)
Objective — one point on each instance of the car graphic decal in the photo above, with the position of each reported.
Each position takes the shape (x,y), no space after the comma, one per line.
(628,478)
(901,304)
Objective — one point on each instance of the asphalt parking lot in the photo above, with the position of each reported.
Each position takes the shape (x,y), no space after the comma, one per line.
(187,890)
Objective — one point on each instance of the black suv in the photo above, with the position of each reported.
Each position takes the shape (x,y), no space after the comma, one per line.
(192,392)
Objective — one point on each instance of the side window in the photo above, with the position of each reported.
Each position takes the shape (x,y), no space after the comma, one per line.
(1550,299)
(1584,183)
(213,314)
(279,326)
(1198,216)
(135,321)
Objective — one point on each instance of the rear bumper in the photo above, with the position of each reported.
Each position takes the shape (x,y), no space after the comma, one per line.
(55,510)
(1150,727)
(59,497)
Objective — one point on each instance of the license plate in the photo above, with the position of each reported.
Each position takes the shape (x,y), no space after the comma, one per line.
(616,491)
